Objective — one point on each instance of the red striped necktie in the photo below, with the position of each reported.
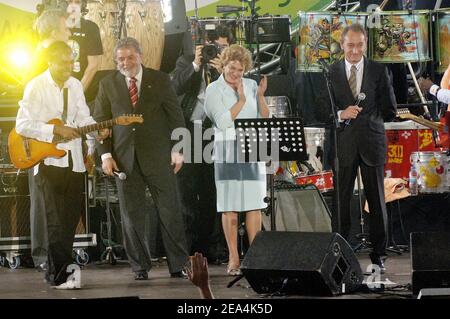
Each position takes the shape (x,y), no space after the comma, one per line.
(133,91)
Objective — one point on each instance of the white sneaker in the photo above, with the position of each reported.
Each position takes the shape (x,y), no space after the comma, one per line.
(68,285)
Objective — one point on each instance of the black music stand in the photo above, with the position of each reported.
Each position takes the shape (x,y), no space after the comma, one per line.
(270,140)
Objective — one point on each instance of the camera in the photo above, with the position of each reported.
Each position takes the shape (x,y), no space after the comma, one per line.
(210,51)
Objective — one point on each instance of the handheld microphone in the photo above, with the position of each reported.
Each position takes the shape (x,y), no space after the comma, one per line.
(121,175)
(361,97)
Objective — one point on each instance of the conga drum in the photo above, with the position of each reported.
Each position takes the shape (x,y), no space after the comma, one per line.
(319,37)
(401,37)
(145,22)
(106,15)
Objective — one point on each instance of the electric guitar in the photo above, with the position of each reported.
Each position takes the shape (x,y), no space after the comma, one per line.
(26,152)
(405,114)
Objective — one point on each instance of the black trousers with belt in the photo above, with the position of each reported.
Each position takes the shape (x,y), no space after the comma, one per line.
(62,191)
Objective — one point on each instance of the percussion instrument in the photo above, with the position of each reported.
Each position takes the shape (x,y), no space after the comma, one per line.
(143,21)
(404,138)
(433,171)
(202,27)
(319,37)
(279,106)
(400,37)
(323,180)
(442,39)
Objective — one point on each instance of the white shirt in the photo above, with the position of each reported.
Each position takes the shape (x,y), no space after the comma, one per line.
(359,76)
(42,101)
(138,81)
(138,84)
(359,73)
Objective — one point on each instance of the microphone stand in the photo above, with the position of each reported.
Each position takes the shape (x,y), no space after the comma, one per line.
(335,127)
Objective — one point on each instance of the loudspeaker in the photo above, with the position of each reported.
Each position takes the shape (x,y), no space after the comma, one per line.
(14,204)
(300,208)
(434,293)
(430,260)
(317,264)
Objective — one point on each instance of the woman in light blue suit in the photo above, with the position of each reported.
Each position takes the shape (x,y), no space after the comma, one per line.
(241,187)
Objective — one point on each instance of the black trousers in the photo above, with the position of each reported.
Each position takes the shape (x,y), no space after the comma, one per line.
(135,216)
(373,180)
(62,191)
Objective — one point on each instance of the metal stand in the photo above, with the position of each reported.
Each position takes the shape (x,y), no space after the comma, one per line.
(362,236)
(108,256)
(335,127)
(391,245)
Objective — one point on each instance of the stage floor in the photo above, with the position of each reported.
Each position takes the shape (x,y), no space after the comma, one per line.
(106,281)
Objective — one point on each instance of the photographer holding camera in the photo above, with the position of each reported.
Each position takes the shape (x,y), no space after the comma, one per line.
(192,75)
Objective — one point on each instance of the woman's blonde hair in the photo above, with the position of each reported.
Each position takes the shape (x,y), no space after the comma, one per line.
(237,53)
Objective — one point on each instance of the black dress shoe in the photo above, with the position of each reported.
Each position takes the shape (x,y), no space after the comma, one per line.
(141,275)
(179,274)
(377,260)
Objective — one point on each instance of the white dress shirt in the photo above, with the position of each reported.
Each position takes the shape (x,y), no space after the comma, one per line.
(42,101)
(138,84)
(359,77)
(359,73)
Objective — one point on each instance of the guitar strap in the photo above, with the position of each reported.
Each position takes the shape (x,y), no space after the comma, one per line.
(66,103)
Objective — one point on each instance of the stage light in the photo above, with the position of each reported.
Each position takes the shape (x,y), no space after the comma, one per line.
(20,58)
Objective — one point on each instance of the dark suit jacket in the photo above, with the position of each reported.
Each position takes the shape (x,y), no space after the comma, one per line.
(365,136)
(150,141)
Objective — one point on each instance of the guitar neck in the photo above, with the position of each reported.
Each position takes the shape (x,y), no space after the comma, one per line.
(97,126)
(433,125)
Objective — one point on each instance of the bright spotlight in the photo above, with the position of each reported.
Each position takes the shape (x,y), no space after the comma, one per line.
(20,58)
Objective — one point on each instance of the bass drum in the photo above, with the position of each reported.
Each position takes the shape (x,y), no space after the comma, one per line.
(400,37)
(319,37)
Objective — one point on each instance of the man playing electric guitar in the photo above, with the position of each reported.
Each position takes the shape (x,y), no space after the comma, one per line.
(60,181)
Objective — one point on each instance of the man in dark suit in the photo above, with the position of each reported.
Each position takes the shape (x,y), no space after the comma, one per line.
(362,141)
(144,153)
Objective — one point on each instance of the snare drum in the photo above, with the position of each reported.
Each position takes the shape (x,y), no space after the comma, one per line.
(315,138)
(279,106)
(433,171)
(319,37)
(442,34)
(322,180)
(400,37)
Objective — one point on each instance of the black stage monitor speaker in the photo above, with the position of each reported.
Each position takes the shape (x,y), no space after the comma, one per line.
(315,264)
(300,208)
(430,260)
